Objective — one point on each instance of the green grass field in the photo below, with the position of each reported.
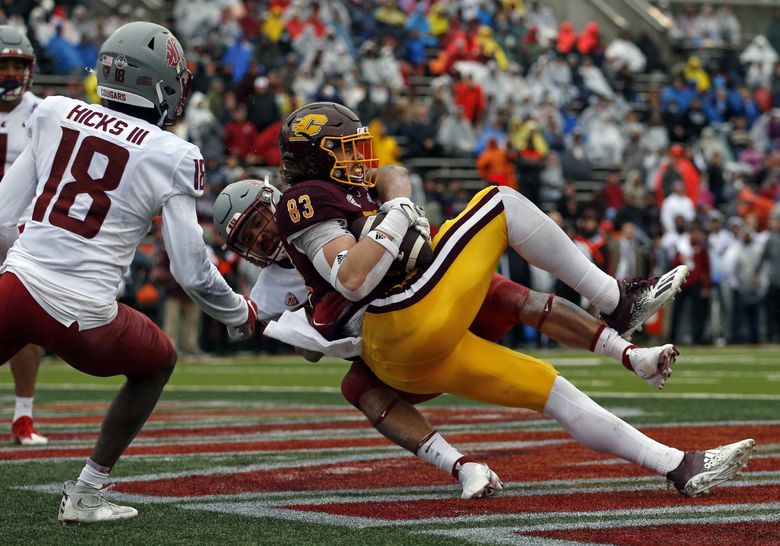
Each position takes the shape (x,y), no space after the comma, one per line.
(735,388)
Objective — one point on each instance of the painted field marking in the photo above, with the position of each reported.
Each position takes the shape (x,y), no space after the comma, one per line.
(322,506)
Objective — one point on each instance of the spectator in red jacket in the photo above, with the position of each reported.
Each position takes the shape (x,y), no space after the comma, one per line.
(589,43)
(612,195)
(267,145)
(469,95)
(240,136)
(567,38)
(678,167)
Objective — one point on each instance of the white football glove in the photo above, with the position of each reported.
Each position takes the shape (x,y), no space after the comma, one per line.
(653,364)
(423,226)
(405,205)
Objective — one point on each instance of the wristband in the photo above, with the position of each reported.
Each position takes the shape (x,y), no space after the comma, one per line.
(392,246)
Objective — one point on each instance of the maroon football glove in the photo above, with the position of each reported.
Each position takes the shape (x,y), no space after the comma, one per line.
(246,330)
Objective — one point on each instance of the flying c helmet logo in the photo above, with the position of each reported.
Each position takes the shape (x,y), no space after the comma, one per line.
(308,126)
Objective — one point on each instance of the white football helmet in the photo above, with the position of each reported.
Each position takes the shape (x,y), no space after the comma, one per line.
(244,217)
(15,45)
(142,64)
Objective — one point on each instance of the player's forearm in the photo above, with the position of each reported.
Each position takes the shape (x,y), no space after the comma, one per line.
(16,193)
(357,271)
(191,268)
(393,181)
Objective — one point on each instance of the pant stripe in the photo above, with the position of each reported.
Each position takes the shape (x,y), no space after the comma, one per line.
(448,248)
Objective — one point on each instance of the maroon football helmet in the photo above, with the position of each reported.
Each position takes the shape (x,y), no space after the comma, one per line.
(327,141)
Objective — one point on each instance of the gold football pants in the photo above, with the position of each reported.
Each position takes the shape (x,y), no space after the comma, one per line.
(416,339)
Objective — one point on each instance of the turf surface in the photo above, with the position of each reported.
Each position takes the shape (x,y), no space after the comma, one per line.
(732,387)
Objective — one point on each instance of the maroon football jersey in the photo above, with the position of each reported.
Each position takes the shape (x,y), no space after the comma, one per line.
(308,203)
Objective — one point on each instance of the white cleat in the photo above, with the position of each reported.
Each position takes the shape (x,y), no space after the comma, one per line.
(84,504)
(653,364)
(700,471)
(478,481)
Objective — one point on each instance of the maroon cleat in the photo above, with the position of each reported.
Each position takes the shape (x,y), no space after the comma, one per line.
(641,298)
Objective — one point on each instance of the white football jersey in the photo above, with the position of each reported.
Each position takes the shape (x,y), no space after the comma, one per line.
(277,290)
(100,178)
(13,130)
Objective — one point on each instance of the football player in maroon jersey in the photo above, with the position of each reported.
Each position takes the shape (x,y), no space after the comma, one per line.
(415,334)
(243,214)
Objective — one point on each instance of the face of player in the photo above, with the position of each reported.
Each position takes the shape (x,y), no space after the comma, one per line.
(356,156)
(12,75)
(259,238)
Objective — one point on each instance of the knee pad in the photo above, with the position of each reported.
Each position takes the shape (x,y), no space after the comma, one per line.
(500,311)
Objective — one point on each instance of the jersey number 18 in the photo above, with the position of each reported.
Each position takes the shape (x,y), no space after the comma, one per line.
(83,183)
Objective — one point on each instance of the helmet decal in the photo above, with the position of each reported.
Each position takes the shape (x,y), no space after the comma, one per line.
(174,55)
(308,126)
(233,223)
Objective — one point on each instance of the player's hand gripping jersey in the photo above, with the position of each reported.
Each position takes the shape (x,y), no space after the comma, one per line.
(98,177)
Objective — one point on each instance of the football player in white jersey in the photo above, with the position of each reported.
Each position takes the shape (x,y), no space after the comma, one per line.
(97,176)
(17,64)
(243,216)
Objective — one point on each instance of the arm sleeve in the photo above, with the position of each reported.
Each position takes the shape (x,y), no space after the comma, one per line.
(191,267)
(16,192)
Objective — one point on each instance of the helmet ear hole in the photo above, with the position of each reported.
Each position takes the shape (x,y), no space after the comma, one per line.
(170,90)
(150,45)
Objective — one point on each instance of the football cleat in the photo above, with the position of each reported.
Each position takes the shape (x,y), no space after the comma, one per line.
(653,364)
(23,432)
(84,504)
(478,481)
(700,471)
(641,298)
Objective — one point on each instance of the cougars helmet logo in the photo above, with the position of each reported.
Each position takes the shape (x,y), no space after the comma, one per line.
(174,55)
(308,126)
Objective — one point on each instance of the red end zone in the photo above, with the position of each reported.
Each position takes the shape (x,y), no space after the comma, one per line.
(763,533)
(545,472)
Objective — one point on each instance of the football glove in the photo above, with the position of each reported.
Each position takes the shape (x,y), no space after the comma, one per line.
(423,227)
(406,206)
(246,330)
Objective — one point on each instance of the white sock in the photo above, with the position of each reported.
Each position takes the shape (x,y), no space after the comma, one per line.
(597,429)
(94,475)
(539,240)
(611,344)
(438,452)
(24,407)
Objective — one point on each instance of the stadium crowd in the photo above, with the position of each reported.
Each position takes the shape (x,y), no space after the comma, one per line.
(688,147)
